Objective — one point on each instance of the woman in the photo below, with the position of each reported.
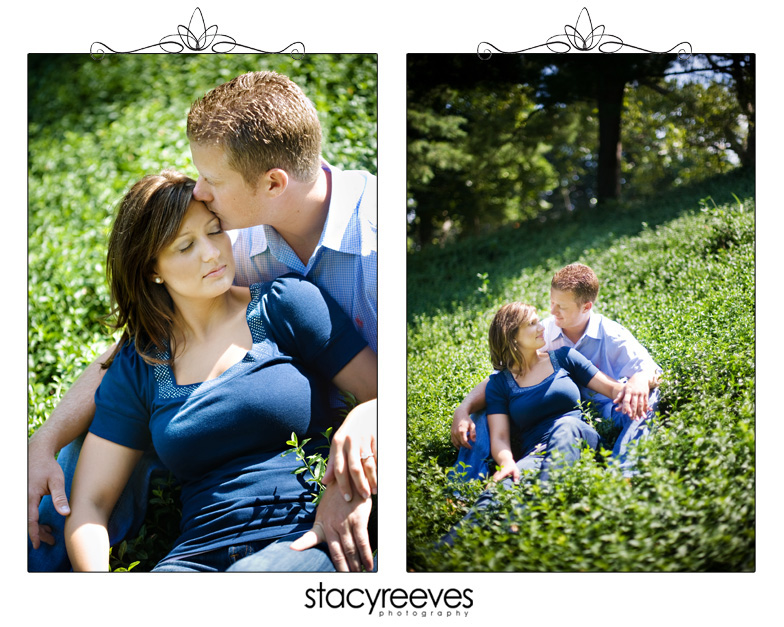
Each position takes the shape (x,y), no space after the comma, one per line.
(536,393)
(217,377)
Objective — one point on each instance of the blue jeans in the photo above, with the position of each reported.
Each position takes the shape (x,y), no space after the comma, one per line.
(566,435)
(260,556)
(475,461)
(631,432)
(125,520)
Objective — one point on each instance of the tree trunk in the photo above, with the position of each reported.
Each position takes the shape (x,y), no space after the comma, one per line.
(610,103)
(744,73)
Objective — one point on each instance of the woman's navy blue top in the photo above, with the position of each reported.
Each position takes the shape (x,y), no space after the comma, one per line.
(223,438)
(556,396)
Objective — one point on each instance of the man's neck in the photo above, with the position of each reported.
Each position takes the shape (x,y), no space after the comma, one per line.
(575,333)
(306,215)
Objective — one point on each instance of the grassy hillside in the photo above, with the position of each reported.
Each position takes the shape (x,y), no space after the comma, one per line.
(676,270)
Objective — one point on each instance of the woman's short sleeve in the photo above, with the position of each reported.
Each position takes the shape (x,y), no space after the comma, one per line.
(123,401)
(308,324)
(576,364)
(496,396)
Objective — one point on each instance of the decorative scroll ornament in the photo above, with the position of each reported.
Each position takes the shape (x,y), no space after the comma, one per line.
(196,37)
(582,37)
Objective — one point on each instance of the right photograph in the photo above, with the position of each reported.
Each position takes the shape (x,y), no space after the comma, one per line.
(581,313)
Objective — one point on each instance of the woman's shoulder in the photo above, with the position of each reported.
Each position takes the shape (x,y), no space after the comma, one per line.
(559,354)
(497,374)
(286,287)
(566,356)
(499,380)
(128,368)
(293,302)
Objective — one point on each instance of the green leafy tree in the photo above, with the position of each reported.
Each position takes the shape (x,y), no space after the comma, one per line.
(506,139)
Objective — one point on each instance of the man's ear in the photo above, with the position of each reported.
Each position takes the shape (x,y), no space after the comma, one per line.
(587,306)
(274,182)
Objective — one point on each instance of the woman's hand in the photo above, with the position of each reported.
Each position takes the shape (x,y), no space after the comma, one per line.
(343,526)
(632,397)
(507,470)
(352,454)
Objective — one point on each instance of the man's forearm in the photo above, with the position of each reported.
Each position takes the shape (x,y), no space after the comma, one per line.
(475,399)
(74,412)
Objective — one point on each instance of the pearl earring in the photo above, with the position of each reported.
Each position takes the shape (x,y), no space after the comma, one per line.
(158,280)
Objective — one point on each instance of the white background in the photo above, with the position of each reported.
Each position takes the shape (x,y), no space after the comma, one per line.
(368,27)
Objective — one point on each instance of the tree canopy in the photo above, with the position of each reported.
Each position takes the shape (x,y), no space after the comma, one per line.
(511,138)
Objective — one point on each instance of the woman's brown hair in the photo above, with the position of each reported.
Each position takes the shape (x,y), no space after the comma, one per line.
(504,353)
(148,218)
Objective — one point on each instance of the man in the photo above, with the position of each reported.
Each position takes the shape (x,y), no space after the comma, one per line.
(605,343)
(256,142)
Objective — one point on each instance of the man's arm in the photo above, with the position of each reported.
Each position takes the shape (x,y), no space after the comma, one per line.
(633,398)
(352,454)
(343,526)
(463,428)
(70,418)
(636,364)
(343,511)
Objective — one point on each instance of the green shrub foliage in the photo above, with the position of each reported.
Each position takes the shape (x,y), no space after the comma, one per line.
(678,271)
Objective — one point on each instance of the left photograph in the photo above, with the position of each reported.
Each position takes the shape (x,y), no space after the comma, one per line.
(202,313)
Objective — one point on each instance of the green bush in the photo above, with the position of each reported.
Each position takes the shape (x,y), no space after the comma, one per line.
(678,271)
(95,127)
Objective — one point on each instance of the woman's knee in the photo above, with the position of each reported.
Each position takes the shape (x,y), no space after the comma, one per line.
(569,431)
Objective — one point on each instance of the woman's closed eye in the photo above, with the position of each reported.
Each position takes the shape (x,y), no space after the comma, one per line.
(215,228)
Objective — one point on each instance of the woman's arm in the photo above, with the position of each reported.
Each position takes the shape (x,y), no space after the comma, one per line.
(101,474)
(70,419)
(501,448)
(622,395)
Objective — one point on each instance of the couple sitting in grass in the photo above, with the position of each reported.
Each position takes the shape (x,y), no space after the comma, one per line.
(543,370)
(226,350)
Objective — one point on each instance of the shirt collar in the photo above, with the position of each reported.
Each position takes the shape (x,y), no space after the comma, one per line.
(345,198)
(592,330)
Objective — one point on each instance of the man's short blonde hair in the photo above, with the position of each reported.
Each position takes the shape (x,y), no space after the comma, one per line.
(578,279)
(262,120)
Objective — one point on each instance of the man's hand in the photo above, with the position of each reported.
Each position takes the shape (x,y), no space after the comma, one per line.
(463,428)
(633,398)
(352,454)
(343,526)
(44,476)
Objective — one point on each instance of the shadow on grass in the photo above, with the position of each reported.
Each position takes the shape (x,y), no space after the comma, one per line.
(445,278)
